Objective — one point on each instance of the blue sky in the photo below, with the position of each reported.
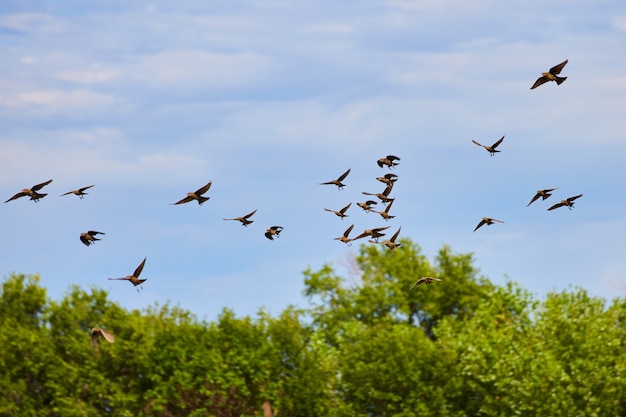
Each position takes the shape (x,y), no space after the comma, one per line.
(150,100)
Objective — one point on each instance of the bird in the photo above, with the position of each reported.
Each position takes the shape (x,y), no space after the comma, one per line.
(375,233)
(391,243)
(388,179)
(267,410)
(491,149)
(245,220)
(385,213)
(338,182)
(424,280)
(344,238)
(273,231)
(551,75)
(488,221)
(388,161)
(545,193)
(134,278)
(384,196)
(32,192)
(197,195)
(80,192)
(569,203)
(367,205)
(89,238)
(341,213)
(96,333)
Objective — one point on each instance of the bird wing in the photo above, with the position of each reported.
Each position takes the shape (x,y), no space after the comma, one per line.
(476,143)
(392,158)
(16,196)
(269,236)
(139,268)
(557,205)
(344,175)
(534,199)
(540,80)
(40,186)
(343,210)
(348,230)
(362,235)
(483,221)
(556,70)
(574,198)
(249,215)
(380,229)
(93,233)
(95,335)
(204,189)
(389,205)
(184,200)
(395,235)
(107,336)
(495,145)
(69,192)
(85,188)
(84,239)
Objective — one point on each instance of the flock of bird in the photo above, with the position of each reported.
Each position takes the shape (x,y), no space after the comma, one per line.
(390,161)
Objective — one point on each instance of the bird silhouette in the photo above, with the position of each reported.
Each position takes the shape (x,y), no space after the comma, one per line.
(374,233)
(391,243)
(344,238)
(341,213)
(89,238)
(134,278)
(388,179)
(424,280)
(80,192)
(388,161)
(491,149)
(367,205)
(245,220)
(384,196)
(97,333)
(488,221)
(551,75)
(338,182)
(543,194)
(385,213)
(197,195)
(569,203)
(273,231)
(32,192)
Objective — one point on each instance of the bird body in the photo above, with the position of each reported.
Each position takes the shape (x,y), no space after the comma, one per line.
(491,149)
(245,220)
(79,192)
(391,243)
(338,182)
(545,193)
(196,195)
(97,333)
(374,233)
(569,202)
(344,238)
(273,231)
(388,161)
(388,179)
(89,238)
(341,213)
(488,221)
(424,280)
(31,192)
(367,205)
(385,213)
(384,196)
(551,75)
(134,278)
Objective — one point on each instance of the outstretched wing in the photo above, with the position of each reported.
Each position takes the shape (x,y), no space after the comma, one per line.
(249,215)
(541,80)
(16,196)
(495,145)
(139,268)
(483,221)
(344,175)
(184,200)
(556,70)
(204,189)
(40,186)
(574,198)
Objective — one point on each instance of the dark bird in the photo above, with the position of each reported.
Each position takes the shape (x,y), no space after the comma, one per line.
(388,179)
(96,333)
(134,278)
(384,196)
(385,214)
(488,221)
(80,192)
(345,239)
(551,75)
(424,280)
(367,206)
(245,220)
(543,194)
(389,161)
(273,231)
(32,192)
(89,238)
(338,182)
(391,243)
(197,195)
(374,233)
(341,213)
(569,203)
(491,149)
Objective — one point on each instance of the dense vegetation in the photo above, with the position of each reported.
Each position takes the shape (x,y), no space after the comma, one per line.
(365,346)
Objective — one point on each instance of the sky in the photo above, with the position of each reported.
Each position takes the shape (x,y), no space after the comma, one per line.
(149,100)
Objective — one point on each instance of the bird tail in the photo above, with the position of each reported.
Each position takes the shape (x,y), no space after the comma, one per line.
(559,80)
(202,199)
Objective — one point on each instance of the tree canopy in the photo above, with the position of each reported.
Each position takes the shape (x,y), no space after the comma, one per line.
(365,345)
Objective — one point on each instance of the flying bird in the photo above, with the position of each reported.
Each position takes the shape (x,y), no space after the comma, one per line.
(385,214)
(388,161)
(273,231)
(134,278)
(374,233)
(89,238)
(569,203)
(488,221)
(491,149)
(367,205)
(391,243)
(80,192)
(197,195)
(97,333)
(245,220)
(338,182)
(32,192)
(344,238)
(543,194)
(341,213)
(388,179)
(551,75)
(424,280)
(384,196)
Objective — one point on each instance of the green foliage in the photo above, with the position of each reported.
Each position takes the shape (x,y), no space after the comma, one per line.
(366,345)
